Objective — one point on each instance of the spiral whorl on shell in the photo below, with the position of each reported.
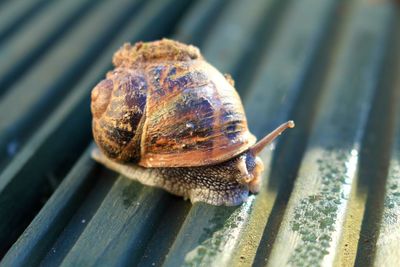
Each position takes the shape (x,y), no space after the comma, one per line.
(164,106)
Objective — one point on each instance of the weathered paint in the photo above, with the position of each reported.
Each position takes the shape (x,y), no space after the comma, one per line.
(387,244)
(218,240)
(313,222)
(272,107)
(316,216)
(296,65)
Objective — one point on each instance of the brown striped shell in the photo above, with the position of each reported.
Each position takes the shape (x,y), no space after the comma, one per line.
(165,106)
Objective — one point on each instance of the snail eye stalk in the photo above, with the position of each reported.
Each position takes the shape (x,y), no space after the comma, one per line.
(260,145)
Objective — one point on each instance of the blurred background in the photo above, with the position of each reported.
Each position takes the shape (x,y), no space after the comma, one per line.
(330,192)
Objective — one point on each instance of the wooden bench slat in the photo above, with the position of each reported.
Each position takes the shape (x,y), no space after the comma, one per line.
(119,236)
(85,210)
(239,25)
(20,50)
(387,244)
(73,257)
(83,243)
(34,242)
(165,232)
(313,220)
(44,149)
(327,64)
(47,83)
(210,226)
(197,21)
(13,192)
(14,14)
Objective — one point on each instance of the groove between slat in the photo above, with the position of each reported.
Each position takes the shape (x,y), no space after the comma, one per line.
(198,20)
(239,33)
(312,224)
(290,150)
(100,249)
(59,70)
(365,203)
(20,51)
(75,111)
(117,242)
(216,236)
(208,243)
(44,228)
(387,238)
(15,13)
(381,226)
(361,227)
(13,179)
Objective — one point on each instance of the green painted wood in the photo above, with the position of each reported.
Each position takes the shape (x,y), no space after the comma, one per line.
(119,212)
(53,76)
(375,158)
(73,257)
(46,226)
(200,17)
(286,158)
(2,2)
(119,236)
(12,188)
(216,233)
(14,14)
(312,225)
(244,30)
(387,248)
(19,51)
(76,224)
(45,137)
(33,161)
(165,232)
(93,209)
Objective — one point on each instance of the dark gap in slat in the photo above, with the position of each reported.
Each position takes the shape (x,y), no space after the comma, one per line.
(23,128)
(82,135)
(134,246)
(167,227)
(2,2)
(165,232)
(65,145)
(76,128)
(83,117)
(20,21)
(206,21)
(252,58)
(154,247)
(149,241)
(83,211)
(291,148)
(376,150)
(158,248)
(17,228)
(55,222)
(17,70)
(59,167)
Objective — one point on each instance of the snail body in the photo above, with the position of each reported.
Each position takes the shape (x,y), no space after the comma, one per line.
(167,118)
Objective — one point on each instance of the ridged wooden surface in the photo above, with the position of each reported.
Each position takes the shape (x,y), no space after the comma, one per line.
(330,194)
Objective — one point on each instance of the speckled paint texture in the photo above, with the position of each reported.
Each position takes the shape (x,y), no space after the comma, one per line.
(315,216)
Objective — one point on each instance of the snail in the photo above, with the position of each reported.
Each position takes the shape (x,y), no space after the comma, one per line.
(167,118)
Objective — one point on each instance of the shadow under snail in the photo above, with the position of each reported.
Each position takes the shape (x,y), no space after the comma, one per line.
(167,118)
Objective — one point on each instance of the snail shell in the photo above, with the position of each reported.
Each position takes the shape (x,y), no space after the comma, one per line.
(165,106)
(167,118)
